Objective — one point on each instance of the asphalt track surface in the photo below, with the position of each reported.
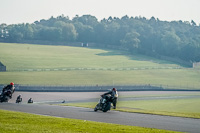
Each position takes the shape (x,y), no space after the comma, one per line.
(133,119)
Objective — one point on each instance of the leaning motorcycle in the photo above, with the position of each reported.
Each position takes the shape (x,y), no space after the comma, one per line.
(104,103)
(30,100)
(18,100)
(5,96)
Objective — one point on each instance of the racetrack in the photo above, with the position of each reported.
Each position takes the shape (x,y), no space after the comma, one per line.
(134,119)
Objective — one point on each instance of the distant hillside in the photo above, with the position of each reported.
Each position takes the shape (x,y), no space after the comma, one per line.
(152,37)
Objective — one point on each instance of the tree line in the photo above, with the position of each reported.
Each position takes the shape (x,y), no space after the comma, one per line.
(176,39)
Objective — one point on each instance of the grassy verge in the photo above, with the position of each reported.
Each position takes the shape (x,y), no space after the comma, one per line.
(29,123)
(171,107)
(177,78)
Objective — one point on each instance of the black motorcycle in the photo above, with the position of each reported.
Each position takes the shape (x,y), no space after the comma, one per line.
(5,96)
(19,100)
(104,103)
(30,100)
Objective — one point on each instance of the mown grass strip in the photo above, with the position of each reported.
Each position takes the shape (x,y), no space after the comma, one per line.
(189,108)
(178,79)
(29,123)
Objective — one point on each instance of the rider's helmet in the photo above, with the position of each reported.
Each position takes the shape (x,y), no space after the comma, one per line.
(114,89)
(11,83)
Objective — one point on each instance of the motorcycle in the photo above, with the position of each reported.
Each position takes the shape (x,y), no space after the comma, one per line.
(7,95)
(30,100)
(4,98)
(104,103)
(18,100)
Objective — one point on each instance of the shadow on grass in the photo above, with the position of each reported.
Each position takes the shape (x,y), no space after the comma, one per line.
(134,56)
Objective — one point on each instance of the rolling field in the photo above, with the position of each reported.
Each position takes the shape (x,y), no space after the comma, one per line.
(25,56)
(64,65)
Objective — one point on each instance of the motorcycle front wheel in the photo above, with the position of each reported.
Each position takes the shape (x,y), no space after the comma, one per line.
(96,108)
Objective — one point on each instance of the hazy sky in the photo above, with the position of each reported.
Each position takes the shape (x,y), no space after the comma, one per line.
(28,11)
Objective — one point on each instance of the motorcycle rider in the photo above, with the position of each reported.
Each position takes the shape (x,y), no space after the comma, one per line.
(19,98)
(114,96)
(9,87)
(30,100)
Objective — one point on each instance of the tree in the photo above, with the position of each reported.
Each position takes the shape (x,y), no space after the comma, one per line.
(86,20)
(15,35)
(170,43)
(85,32)
(187,53)
(131,41)
(3,32)
(100,33)
(113,34)
(49,33)
(69,32)
(193,23)
(27,31)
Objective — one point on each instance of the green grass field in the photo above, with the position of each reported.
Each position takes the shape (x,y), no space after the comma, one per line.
(29,123)
(26,56)
(48,65)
